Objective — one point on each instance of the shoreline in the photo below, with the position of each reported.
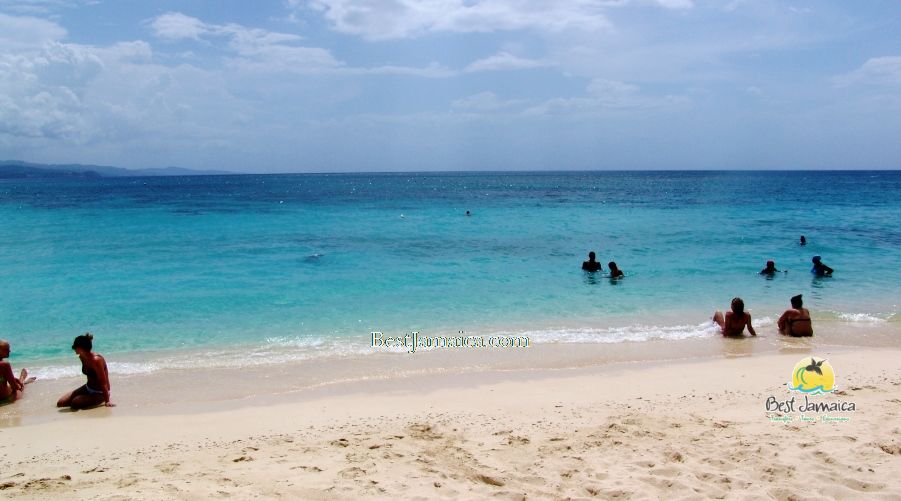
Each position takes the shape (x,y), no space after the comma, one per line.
(621,329)
(156,392)
(629,429)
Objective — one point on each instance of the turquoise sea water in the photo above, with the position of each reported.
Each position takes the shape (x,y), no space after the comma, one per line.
(282,266)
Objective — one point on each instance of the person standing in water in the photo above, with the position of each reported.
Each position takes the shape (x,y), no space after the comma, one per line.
(803,240)
(795,321)
(591,265)
(96,390)
(770,268)
(819,267)
(734,322)
(615,272)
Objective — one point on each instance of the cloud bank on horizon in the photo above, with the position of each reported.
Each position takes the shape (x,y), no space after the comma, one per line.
(393,85)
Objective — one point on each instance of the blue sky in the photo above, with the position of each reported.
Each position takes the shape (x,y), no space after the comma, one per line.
(399,85)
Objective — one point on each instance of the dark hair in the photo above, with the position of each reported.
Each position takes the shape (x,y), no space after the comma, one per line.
(591,255)
(797,302)
(738,306)
(84,342)
(611,265)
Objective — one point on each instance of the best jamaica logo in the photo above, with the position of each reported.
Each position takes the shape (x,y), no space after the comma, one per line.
(813,377)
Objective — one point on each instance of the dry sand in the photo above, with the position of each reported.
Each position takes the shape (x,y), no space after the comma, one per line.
(674,430)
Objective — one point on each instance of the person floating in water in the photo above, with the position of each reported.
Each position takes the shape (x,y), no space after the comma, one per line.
(819,267)
(615,272)
(803,240)
(96,390)
(10,386)
(795,321)
(734,322)
(770,268)
(468,213)
(591,264)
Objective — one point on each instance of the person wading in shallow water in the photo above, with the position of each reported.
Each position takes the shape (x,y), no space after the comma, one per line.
(796,321)
(770,269)
(734,322)
(615,272)
(96,390)
(591,264)
(819,267)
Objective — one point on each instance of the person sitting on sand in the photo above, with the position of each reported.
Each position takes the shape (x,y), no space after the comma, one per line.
(795,321)
(734,322)
(591,264)
(93,365)
(615,272)
(10,386)
(819,268)
(770,268)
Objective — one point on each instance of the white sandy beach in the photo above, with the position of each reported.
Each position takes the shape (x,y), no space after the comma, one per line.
(676,430)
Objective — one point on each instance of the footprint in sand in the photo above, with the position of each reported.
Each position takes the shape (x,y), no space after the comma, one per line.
(489,480)
(893,449)
(423,432)
(352,472)
(516,440)
(167,467)
(341,442)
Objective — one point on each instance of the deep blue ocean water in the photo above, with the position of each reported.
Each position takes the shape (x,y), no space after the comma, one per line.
(269,263)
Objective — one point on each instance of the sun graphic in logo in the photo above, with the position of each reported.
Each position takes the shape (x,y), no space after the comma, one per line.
(813,376)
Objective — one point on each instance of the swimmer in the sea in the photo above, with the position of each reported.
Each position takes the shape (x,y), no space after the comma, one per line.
(591,265)
(795,321)
(819,267)
(734,322)
(770,268)
(803,240)
(615,272)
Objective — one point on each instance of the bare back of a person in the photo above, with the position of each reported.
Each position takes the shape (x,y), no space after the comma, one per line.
(734,325)
(798,323)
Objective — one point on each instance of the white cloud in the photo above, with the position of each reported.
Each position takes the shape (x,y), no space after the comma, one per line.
(484,102)
(505,61)
(675,4)
(33,7)
(606,95)
(72,95)
(393,19)
(261,51)
(878,70)
(432,70)
(54,113)
(611,90)
(177,26)
(258,50)
(41,91)
(24,32)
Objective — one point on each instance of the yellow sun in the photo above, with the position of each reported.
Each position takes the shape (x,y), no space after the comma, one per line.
(805,377)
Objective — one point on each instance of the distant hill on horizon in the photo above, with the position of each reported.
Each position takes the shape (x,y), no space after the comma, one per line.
(16,169)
